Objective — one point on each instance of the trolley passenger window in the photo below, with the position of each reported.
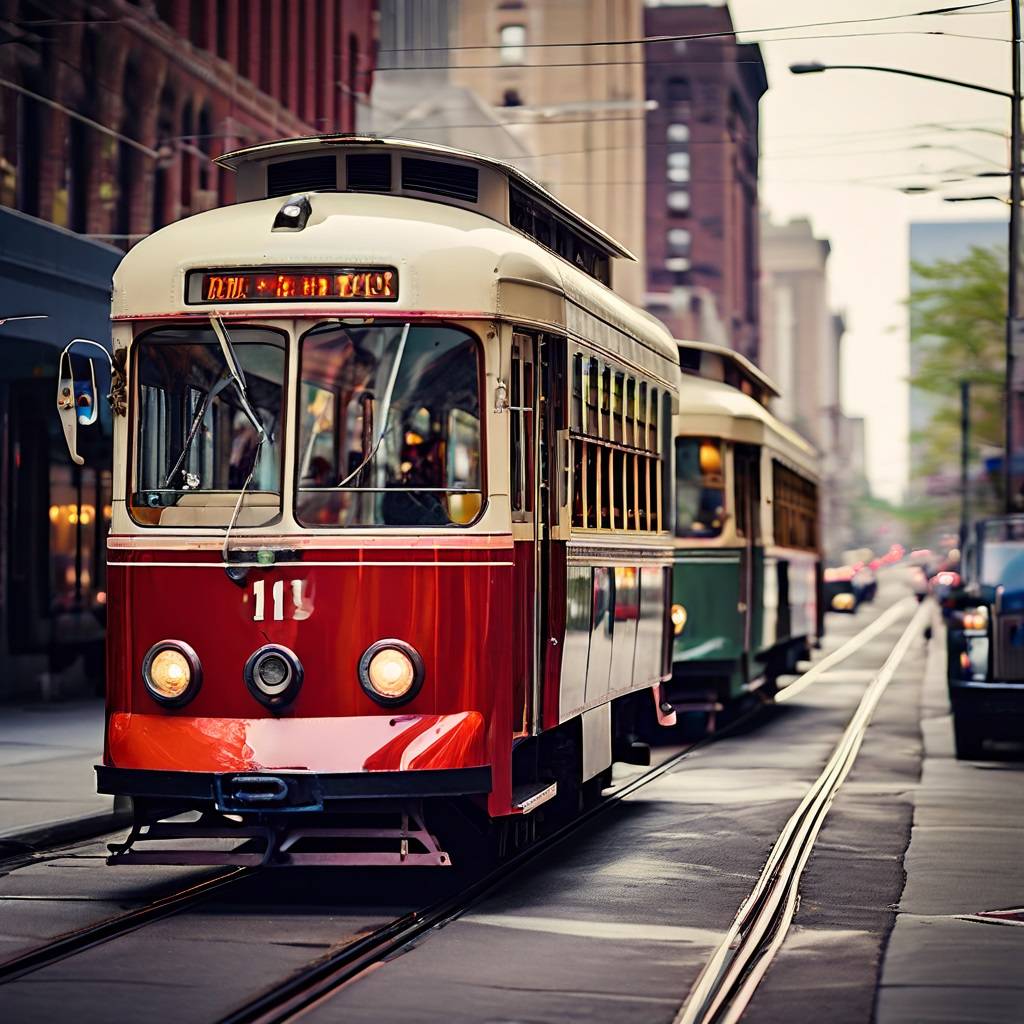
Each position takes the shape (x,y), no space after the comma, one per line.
(196,445)
(700,487)
(389,426)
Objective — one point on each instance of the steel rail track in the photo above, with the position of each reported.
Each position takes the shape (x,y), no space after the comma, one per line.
(78,941)
(319,980)
(730,978)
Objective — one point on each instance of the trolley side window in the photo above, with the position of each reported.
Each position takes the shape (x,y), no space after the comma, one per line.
(195,444)
(617,450)
(795,505)
(389,426)
(700,487)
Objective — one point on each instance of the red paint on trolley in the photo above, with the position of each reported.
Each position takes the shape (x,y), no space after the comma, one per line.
(327,745)
(453,606)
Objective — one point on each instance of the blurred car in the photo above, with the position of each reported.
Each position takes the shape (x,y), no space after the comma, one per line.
(865,584)
(839,592)
(943,584)
(985,639)
(919,582)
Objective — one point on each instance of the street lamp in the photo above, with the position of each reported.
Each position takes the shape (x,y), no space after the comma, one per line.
(815,67)
(1013,298)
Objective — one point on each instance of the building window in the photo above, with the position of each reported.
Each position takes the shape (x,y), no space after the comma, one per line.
(678,246)
(679,240)
(679,201)
(511,98)
(513,44)
(678,166)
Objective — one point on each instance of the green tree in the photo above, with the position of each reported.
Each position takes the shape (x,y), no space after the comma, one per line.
(957,323)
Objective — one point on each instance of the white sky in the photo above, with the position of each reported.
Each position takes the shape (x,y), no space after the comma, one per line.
(836,147)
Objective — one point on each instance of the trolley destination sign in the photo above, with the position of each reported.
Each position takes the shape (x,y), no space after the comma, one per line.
(334,284)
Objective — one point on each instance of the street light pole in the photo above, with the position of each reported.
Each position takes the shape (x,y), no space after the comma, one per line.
(1013,255)
(1013,283)
(965,460)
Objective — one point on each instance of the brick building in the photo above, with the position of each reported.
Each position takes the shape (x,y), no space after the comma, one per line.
(702,164)
(110,111)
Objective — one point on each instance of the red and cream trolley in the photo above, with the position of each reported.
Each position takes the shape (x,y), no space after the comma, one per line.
(391,518)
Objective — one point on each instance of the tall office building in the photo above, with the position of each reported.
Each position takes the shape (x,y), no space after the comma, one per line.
(701,170)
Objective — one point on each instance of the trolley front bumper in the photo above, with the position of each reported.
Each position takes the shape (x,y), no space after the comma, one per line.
(277,791)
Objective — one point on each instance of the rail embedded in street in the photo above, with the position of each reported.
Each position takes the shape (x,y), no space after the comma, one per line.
(732,974)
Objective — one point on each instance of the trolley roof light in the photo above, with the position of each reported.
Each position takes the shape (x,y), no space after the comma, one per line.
(391,672)
(172,673)
(294,214)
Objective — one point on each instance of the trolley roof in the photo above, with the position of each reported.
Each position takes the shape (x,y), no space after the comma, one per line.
(294,164)
(714,361)
(711,408)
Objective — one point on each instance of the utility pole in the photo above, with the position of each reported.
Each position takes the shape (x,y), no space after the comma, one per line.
(1013,328)
(965,458)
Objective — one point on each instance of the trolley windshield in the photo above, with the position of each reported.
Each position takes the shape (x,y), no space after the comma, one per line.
(197,445)
(389,426)
(700,487)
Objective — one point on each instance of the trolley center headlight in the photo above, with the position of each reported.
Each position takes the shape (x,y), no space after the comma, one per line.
(391,671)
(171,672)
(678,619)
(273,675)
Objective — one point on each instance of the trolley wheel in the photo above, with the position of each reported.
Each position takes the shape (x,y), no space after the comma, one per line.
(969,738)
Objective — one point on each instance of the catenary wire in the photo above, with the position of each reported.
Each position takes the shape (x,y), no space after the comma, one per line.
(685,37)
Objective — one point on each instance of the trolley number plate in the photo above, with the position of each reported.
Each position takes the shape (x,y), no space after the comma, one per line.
(271,284)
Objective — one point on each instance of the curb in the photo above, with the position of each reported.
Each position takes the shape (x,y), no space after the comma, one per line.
(63,833)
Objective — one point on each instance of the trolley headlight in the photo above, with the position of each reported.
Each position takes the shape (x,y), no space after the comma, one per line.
(172,673)
(391,672)
(678,619)
(273,675)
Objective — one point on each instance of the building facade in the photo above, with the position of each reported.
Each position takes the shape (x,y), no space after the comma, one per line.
(800,350)
(539,83)
(702,170)
(110,115)
(110,112)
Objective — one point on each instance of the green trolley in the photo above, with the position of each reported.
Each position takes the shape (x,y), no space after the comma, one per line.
(747,562)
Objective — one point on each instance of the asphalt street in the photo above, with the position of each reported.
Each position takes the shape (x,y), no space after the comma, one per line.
(616,922)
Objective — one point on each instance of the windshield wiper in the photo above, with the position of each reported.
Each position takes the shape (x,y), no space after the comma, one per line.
(261,433)
(236,376)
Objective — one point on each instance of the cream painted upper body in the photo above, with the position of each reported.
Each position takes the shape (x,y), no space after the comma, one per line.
(453,264)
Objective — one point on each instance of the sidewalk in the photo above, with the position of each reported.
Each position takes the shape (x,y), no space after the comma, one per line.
(946,959)
(47,753)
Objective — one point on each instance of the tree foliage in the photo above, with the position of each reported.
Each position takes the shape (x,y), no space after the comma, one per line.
(957,325)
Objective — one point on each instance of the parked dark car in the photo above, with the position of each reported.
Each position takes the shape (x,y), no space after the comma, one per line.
(985,638)
(838,591)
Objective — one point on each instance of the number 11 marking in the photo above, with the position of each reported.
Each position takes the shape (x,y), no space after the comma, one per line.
(277,596)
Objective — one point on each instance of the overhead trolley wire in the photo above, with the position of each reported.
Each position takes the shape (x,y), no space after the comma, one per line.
(685,37)
(934,33)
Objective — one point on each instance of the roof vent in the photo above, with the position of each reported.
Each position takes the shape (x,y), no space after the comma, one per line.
(313,174)
(452,181)
(689,360)
(368,172)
